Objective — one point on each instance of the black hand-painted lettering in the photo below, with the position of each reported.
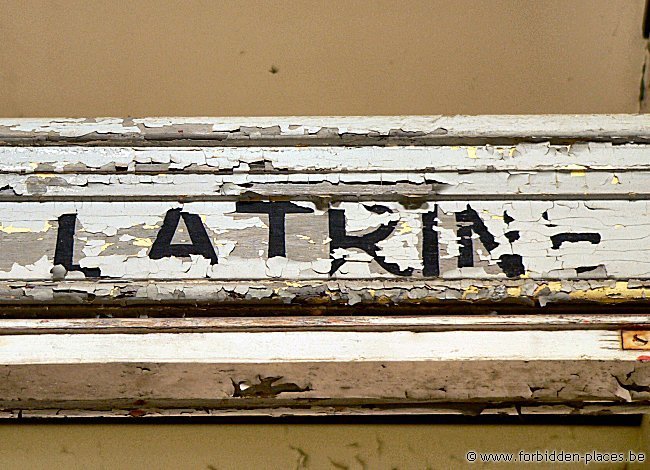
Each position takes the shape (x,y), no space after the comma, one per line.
(276,212)
(512,265)
(430,254)
(64,251)
(545,217)
(557,240)
(368,242)
(469,221)
(512,235)
(586,269)
(163,248)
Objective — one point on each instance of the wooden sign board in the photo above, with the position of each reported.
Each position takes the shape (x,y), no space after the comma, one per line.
(268,217)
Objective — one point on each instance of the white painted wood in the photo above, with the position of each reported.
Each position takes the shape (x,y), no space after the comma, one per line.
(578,185)
(521,156)
(524,210)
(312,346)
(555,198)
(117,238)
(467,371)
(258,128)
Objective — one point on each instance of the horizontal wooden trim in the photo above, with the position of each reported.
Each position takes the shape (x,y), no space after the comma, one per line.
(468,370)
(134,410)
(314,346)
(327,130)
(477,186)
(326,161)
(324,323)
(318,294)
(228,240)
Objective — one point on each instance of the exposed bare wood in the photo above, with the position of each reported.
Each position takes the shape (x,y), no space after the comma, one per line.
(326,323)
(317,409)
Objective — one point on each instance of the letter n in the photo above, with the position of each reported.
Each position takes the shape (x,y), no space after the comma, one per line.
(468,222)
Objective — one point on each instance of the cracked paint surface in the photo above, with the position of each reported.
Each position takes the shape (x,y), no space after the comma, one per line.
(438,129)
(523,156)
(117,238)
(292,209)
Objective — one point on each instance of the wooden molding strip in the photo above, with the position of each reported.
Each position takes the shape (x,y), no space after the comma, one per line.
(420,323)
(468,370)
(327,130)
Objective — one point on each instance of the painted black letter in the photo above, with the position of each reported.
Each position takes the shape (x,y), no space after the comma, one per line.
(368,242)
(63,253)
(162,247)
(430,244)
(276,212)
(557,240)
(470,221)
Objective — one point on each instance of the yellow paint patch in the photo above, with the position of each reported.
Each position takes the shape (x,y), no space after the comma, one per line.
(305,237)
(553,286)
(618,226)
(471,290)
(578,173)
(511,151)
(150,227)
(615,180)
(105,245)
(404,228)
(513,291)
(492,216)
(619,293)
(471,152)
(146,242)
(14,229)
(293,284)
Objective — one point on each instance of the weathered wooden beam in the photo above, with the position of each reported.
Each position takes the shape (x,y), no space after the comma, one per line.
(436,217)
(463,370)
(408,215)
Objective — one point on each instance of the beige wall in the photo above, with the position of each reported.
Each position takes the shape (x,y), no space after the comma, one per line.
(96,58)
(155,57)
(240,447)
